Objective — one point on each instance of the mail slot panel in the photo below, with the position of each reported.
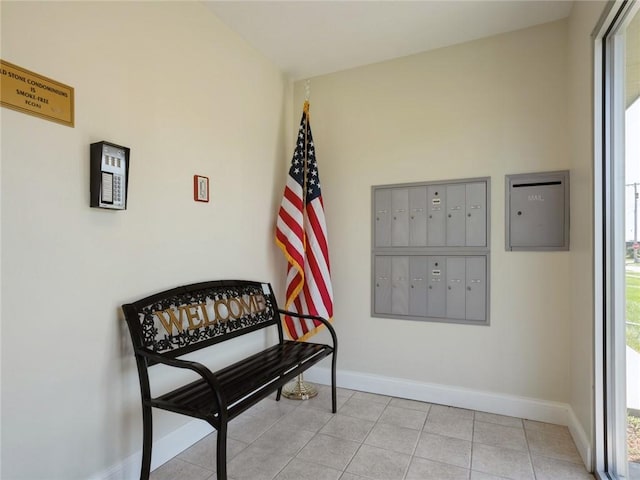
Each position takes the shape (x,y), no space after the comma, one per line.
(476,288)
(418,216)
(456,279)
(437,288)
(382,217)
(476,214)
(455,215)
(400,285)
(382,283)
(436,230)
(418,281)
(538,211)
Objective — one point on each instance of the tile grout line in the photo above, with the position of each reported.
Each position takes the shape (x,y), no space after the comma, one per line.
(308,441)
(412,455)
(276,422)
(362,442)
(473,432)
(526,439)
(263,433)
(334,436)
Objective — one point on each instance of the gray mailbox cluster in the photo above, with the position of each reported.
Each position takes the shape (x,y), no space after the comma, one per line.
(453,215)
(452,287)
(430,251)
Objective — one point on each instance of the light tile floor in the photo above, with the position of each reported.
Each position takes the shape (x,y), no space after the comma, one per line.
(383,438)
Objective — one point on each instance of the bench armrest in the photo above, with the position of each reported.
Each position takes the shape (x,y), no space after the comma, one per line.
(200,369)
(314,317)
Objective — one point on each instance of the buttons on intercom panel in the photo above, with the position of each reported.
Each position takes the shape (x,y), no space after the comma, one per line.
(109,168)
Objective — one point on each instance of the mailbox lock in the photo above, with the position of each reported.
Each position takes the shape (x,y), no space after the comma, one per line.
(430,287)
(449,287)
(449,215)
(430,216)
(519,213)
(469,288)
(468,214)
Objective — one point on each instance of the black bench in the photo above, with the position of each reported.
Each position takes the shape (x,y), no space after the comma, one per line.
(169,324)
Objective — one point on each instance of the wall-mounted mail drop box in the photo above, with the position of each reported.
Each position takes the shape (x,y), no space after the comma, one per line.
(537,211)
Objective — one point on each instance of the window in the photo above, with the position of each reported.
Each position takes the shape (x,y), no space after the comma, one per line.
(617,275)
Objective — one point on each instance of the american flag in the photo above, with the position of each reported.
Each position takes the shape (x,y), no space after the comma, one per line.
(301,234)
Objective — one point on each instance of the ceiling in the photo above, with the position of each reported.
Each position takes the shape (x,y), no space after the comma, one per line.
(310,38)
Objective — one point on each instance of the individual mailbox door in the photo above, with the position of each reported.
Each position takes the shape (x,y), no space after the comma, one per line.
(382,218)
(476,285)
(418,216)
(382,291)
(436,290)
(418,282)
(400,285)
(399,217)
(455,215)
(456,287)
(436,230)
(476,211)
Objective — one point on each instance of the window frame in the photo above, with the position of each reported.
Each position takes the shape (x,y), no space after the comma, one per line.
(610,460)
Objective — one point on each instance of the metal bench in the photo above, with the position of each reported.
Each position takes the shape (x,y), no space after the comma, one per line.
(170,324)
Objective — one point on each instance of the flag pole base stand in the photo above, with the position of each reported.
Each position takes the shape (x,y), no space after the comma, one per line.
(299,390)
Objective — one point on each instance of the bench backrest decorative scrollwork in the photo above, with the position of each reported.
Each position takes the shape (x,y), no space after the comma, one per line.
(186,319)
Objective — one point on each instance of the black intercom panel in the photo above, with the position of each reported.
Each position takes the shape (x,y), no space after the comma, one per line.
(109,175)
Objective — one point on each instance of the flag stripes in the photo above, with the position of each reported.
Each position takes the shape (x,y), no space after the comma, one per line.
(301,234)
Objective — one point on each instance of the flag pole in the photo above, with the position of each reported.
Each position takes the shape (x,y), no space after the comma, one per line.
(299,389)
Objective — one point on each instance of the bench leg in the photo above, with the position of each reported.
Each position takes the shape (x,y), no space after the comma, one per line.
(147,442)
(333,384)
(279,394)
(221,452)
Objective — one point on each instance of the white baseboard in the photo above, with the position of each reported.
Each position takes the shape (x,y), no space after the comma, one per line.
(164,450)
(559,413)
(501,404)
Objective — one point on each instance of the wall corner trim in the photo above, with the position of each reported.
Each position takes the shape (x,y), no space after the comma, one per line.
(581,439)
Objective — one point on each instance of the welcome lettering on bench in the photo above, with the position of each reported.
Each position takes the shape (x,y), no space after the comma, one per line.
(195,316)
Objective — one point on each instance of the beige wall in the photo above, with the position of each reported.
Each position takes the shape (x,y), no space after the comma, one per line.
(188,97)
(582,21)
(487,108)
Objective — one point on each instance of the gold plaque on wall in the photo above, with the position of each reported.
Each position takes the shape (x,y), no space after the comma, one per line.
(34,94)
